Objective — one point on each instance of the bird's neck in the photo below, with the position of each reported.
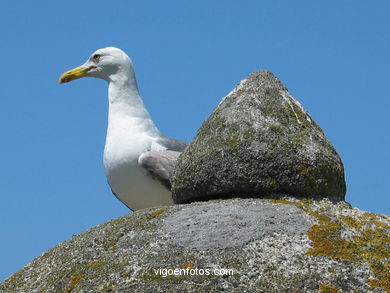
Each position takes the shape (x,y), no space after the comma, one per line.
(127,115)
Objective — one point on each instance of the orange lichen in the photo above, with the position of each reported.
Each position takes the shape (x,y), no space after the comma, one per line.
(382,283)
(157,213)
(74,280)
(188,265)
(370,246)
(325,288)
(326,241)
(351,222)
(332,270)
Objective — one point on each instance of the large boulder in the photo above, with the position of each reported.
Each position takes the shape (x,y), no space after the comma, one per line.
(264,245)
(259,142)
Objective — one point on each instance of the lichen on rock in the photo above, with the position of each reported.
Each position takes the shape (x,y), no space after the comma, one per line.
(259,141)
(284,245)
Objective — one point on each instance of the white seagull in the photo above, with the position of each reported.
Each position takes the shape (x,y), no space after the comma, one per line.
(138,159)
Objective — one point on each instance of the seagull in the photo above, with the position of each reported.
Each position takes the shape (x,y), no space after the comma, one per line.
(138,159)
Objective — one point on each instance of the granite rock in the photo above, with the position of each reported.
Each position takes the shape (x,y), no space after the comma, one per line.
(259,142)
(284,245)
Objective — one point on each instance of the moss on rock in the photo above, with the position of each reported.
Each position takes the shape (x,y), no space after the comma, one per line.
(257,135)
(304,246)
(369,244)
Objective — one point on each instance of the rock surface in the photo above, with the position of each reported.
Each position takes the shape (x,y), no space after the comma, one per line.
(285,245)
(259,142)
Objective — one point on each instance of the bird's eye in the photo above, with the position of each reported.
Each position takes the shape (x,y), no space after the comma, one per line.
(96,57)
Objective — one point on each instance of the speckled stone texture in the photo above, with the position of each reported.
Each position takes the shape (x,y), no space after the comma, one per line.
(223,225)
(284,245)
(259,142)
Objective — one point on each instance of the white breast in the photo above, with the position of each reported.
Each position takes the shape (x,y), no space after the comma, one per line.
(126,140)
(130,133)
(135,188)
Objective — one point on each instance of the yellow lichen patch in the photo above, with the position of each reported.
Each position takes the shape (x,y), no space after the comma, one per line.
(350,221)
(157,213)
(332,270)
(326,241)
(284,201)
(370,245)
(325,288)
(374,243)
(74,280)
(96,264)
(380,224)
(383,283)
(369,216)
(188,265)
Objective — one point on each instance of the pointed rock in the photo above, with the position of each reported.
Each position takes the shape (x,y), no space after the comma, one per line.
(259,142)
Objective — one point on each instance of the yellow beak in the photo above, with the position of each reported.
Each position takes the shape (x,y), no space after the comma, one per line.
(74,73)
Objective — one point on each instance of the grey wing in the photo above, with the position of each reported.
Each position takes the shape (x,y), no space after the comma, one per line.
(159,165)
(172,144)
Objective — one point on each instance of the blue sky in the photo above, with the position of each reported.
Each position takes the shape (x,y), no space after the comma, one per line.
(333,56)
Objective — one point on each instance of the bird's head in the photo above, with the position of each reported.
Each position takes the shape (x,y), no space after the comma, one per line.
(103,63)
